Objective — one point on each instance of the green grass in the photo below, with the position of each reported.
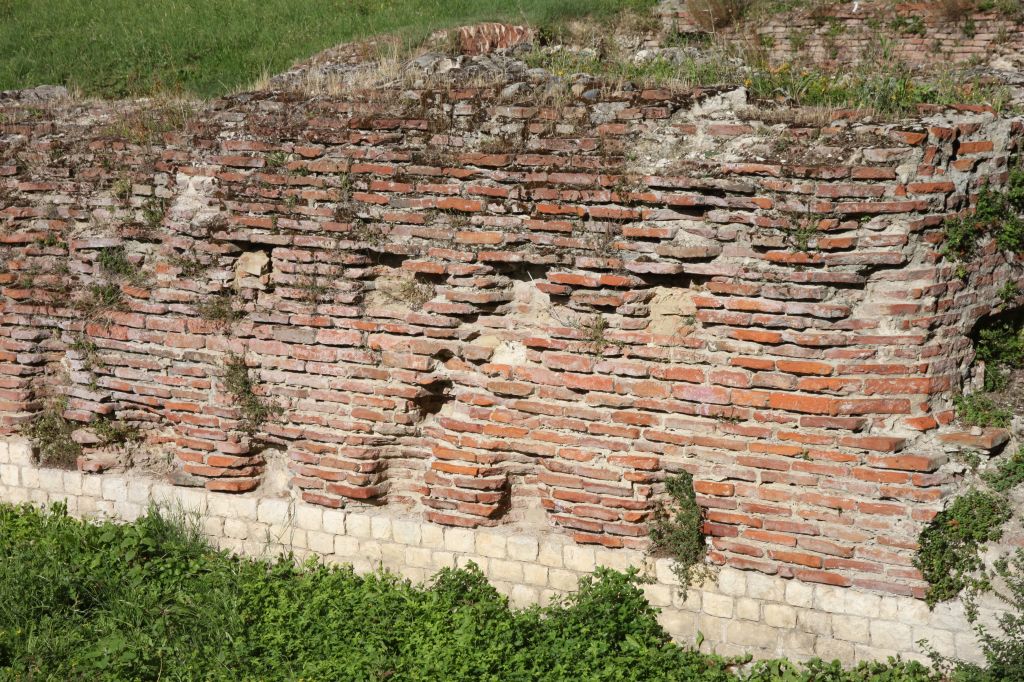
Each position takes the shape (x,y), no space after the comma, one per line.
(119,48)
(151,601)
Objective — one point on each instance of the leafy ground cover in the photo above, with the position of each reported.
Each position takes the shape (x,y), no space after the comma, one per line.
(150,600)
(119,48)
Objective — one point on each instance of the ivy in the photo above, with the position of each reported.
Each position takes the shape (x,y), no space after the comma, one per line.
(949,546)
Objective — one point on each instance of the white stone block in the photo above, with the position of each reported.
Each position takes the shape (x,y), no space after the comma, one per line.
(745,633)
(523,596)
(833,649)
(719,605)
(236,528)
(887,633)
(320,542)
(274,511)
(51,480)
(815,622)
(5,457)
(442,559)
(114,489)
(509,571)
(380,528)
(799,594)
(19,451)
(491,544)
(9,475)
(550,553)
(663,572)
(766,588)
(851,628)
(535,574)
(460,540)
(732,581)
(431,536)
(346,546)
(659,595)
(579,558)
(406,532)
(358,525)
(565,581)
(371,552)
(779,615)
(748,609)
(334,521)
(523,548)
(420,557)
(309,517)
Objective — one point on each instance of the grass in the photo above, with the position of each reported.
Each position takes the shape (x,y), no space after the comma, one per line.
(119,48)
(151,600)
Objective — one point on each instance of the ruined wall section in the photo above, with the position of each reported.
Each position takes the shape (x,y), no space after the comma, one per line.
(849,33)
(491,312)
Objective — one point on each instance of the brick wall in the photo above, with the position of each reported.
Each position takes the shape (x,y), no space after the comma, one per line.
(844,33)
(483,312)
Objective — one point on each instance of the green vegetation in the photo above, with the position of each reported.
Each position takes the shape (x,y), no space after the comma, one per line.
(978,409)
(996,213)
(116,48)
(150,600)
(677,530)
(949,545)
(219,309)
(50,434)
(114,432)
(239,383)
(1009,474)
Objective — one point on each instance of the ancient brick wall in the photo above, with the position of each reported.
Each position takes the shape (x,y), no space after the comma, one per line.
(485,312)
(916,33)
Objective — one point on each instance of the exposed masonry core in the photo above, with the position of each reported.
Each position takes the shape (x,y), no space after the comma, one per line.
(484,313)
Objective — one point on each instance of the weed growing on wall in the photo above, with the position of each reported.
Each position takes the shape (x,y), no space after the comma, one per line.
(219,309)
(50,434)
(948,555)
(996,213)
(978,409)
(239,383)
(114,432)
(676,530)
(1008,474)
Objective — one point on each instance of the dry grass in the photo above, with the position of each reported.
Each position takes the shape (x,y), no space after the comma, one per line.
(955,10)
(715,14)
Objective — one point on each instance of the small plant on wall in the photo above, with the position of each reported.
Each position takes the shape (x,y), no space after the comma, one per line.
(50,434)
(676,531)
(239,383)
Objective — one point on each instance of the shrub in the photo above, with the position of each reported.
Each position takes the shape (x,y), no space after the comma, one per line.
(948,553)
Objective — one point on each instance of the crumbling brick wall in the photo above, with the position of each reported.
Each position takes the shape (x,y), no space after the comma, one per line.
(481,309)
(848,33)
